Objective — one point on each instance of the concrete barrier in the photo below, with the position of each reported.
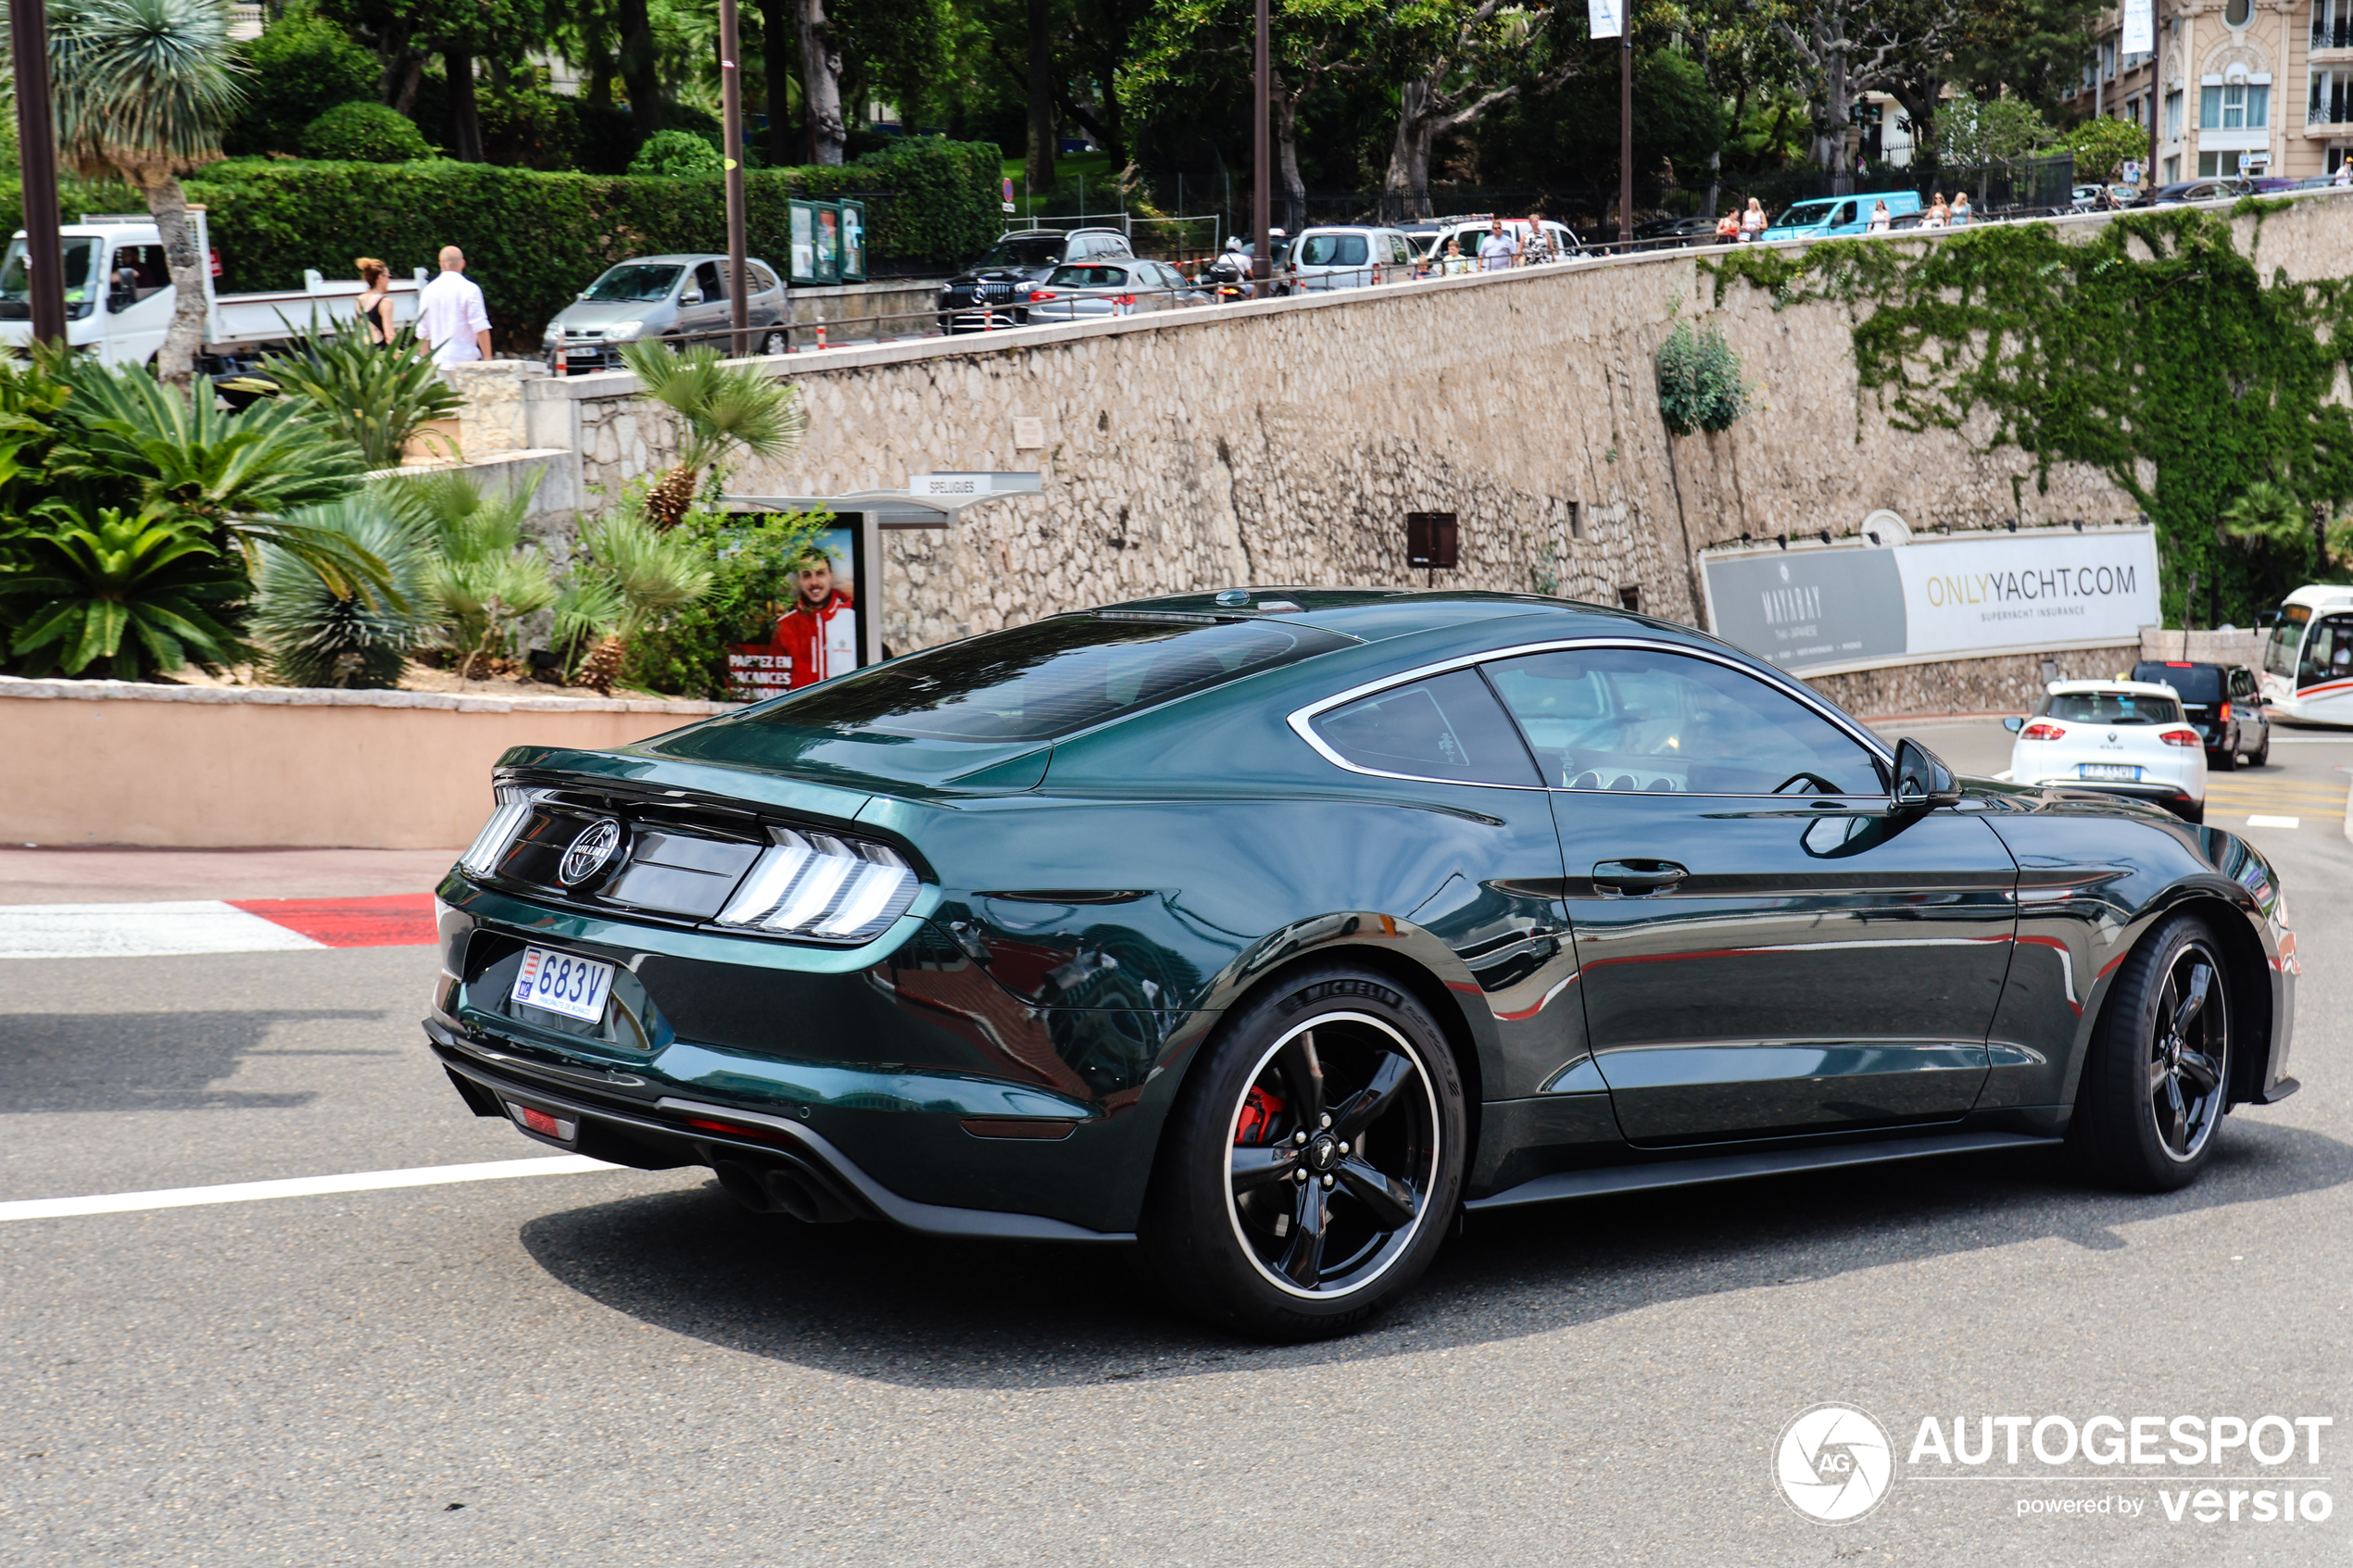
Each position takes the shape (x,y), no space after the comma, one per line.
(205,767)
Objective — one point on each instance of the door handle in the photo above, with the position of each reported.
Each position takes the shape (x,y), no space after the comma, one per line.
(1638,876)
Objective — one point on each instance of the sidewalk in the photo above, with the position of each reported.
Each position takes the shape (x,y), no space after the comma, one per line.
(68,875)
(146,903)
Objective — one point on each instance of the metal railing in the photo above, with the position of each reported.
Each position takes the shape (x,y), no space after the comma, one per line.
(2333,32)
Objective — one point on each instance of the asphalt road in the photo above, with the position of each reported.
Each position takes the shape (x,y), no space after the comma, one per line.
(615,1368)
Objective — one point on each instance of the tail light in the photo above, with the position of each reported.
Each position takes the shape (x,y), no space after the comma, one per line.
(1123,299)
(2040,731)
(2225,713)
(1036,294)
(514,808)
(2181,737)
(817,884)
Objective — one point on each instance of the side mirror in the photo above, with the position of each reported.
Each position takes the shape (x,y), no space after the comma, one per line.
(692,297)
(2014,724)
(1922,782)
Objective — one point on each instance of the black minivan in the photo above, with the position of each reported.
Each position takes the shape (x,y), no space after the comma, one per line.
(2222,704)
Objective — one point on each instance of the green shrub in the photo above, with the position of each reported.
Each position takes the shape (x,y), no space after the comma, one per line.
(143,593)
(364,133)
(675,155)
(304,65)
(316,636)
(1699,380)
(533,241)
(373,399)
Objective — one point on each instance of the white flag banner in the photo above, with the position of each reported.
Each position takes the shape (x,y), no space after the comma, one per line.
(2140,27)
(1602,16)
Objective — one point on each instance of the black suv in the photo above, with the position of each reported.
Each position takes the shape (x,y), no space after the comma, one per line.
(994,290)
(2221,704)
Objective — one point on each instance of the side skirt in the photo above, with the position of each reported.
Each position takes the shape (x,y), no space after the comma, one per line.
(1740,1167)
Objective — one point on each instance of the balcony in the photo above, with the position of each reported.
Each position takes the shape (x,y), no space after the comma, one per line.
(2333,32)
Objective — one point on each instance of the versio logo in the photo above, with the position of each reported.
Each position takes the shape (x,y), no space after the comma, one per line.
(1834,1463)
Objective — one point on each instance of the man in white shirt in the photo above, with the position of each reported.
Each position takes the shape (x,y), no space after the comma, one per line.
(1500,249)
(451,319)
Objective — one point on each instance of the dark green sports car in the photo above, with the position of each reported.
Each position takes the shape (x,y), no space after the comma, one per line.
(1270,929)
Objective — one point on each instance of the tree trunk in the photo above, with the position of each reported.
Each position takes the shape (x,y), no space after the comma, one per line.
(639,74)
(597,64)
(412,73)
(465,116)
(1715,181)
(820,85)
(1286,150)
(777,30)
(1041,99)
(176,360)
(1406,187)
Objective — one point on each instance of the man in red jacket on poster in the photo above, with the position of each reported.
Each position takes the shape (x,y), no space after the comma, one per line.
(820,631)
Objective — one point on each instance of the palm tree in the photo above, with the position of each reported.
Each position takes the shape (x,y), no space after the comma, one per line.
(141,90)
(721,409)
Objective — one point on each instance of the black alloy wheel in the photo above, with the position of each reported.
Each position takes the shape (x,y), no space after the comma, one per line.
(775,342)
(2157,1082)
(1310,1171)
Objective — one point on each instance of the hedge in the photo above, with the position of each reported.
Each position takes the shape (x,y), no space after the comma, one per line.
(533,241)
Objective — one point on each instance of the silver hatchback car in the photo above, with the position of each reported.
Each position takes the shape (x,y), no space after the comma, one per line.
(1088,290)
(679,297)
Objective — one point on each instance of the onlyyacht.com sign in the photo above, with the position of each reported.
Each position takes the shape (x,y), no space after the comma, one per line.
(1814,611)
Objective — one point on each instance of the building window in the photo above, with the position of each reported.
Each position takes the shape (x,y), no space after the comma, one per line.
(2237,107)
(2332,24)
(2237,12)
(2172,117)
(2327,105)
(1630,597)
(2172,171)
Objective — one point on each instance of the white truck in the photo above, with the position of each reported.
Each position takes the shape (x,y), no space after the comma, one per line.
(119,297)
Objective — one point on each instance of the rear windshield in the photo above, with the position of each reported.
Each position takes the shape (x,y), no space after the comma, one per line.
(1091,277)
(2115,708)
(2196,682)
(1049,679)
(1333,250)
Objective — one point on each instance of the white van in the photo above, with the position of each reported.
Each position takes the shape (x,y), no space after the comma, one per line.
(118,297)
(1345,257)
(1469,231)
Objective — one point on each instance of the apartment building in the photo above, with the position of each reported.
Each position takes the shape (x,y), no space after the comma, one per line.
(2253,86)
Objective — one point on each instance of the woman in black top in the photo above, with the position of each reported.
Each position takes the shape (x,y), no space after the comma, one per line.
(375,301)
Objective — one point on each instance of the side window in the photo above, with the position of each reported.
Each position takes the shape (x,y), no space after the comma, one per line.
(136,273)
(1642,718)
(763,279)
(707,277)
(1448,727)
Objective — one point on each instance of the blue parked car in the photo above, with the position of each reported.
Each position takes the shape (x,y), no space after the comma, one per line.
(1828,216)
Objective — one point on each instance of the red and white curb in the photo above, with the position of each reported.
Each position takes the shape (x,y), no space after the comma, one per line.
(212,925)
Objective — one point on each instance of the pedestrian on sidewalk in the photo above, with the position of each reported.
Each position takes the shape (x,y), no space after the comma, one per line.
(1538,247)
(1728,229)
(1498,250)
(1961,211)
(452,322)
(1753,221)
(1881,220)
(374,303)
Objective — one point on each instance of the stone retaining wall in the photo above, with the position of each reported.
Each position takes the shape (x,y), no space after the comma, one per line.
(1283,441)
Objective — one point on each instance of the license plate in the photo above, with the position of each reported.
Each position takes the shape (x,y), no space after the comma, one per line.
(2115,771)
(559,982)
(581,353)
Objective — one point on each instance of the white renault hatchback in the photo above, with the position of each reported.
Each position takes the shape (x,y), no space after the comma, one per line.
(2124,738)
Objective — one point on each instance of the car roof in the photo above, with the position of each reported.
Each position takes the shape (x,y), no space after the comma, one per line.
(682,259)
(2120,688)
(1375,614)
(2180,664)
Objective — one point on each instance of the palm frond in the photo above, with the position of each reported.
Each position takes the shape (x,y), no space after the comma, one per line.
(143,88)
(724,408)
(373,398)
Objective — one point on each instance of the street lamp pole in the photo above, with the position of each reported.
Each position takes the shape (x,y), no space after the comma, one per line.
(37,158)
(731,122)
(1626,129)
(1260,98)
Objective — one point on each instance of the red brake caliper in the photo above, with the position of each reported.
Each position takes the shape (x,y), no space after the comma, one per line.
(1258,1110)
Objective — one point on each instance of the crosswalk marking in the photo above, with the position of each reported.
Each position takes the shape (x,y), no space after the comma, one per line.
(299,1186)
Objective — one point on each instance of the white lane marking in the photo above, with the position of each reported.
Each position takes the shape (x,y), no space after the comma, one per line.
(2274,821)
(298,1187)
(139,931)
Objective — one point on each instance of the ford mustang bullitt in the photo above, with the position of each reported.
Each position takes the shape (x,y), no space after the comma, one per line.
(1269,930)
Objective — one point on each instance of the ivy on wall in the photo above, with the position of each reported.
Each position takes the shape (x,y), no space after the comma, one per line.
(2154,352)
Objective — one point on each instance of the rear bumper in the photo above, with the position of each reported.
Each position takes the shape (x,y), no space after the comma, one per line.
(673,1132)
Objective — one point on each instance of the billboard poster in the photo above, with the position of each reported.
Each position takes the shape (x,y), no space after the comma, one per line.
(804,242)
(1602,17)
(814,637)
(1816,611)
